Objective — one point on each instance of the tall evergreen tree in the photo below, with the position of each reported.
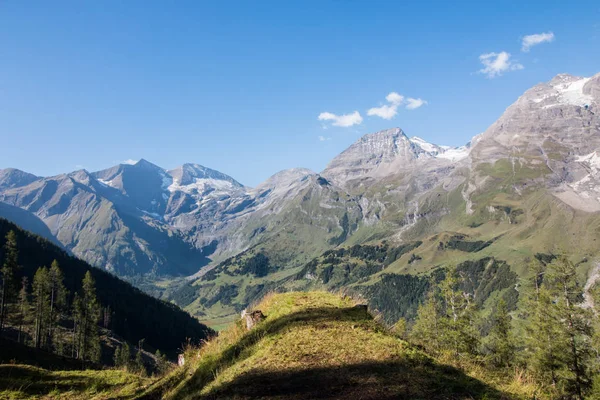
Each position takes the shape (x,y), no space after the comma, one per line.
(457,329)
(117,356)
(139,361)
(86,310)
(41,301)
(500,343)
(427,326)
(125,360)
(58,299)
(574,322)
(545,341)
(23,308)
(8,275)
(162,364)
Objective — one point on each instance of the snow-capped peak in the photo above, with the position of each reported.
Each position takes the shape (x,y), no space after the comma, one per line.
(437,151)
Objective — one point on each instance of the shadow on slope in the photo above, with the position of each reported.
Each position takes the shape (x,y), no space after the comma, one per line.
(400,379)
(410,374)
(28,221)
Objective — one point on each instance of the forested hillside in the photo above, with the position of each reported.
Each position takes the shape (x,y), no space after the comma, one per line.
(120,308)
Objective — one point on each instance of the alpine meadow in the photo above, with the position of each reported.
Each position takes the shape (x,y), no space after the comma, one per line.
(433,231)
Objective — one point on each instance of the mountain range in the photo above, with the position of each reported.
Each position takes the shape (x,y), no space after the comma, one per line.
(527,185)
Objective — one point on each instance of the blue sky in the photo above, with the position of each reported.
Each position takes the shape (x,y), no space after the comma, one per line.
(239,86)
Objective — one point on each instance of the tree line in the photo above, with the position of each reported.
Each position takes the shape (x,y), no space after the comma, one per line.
(44,306)
(553,337)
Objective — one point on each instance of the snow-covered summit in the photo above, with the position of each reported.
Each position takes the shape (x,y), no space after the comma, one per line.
(438,151)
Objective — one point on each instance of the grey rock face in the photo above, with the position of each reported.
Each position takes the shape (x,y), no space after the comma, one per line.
(553,128)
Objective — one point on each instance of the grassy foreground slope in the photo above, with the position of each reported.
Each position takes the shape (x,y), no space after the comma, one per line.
(28,382)
(317,345)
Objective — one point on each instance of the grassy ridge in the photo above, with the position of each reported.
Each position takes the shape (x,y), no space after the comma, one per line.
(317,344)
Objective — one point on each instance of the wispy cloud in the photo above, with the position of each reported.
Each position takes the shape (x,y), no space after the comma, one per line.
(129,161)
(344,120)
(78,167)
(533,40)
(495,64)
(324,139)
(413,104)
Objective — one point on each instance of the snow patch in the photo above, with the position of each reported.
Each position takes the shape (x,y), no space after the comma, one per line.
(592,159)
(428,147)
(568,93)
(446,152)
(106,183)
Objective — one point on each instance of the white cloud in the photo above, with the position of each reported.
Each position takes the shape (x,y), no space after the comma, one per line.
(323,138)
(413,104)
(387,111)
(533,40)
(394,98)
(497,63)
(345,120)
(130,162)
(78,167)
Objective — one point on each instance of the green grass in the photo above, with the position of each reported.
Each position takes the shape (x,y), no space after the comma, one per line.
(318,344)
(27,382)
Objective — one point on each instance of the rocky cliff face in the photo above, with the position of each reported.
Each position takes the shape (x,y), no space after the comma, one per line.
(549,136)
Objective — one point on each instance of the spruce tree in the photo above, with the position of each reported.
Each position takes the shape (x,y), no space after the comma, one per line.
(575,324)
(41,301)
(162,364)
(500,343)
(23,308)
(58,300)
(545,340)
(125,360)
(86,310)
(457,326)
(426,329)
(139,361)
(8,275)
(117,356)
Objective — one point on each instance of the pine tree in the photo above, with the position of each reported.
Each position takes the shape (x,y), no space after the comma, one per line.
(399,328)
(125,360)
(545,341)
(41,301)
(139,361)
(86,313)
(117,356)
(8,274)
(23,308)
(538,270)
(162,364)
(58,300)
(575,324)
(426,328)
(457,325)
(500,343)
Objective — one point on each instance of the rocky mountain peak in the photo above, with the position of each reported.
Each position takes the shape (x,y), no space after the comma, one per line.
(12,178)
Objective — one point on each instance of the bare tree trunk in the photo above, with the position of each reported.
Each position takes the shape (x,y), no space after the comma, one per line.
(2,305)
